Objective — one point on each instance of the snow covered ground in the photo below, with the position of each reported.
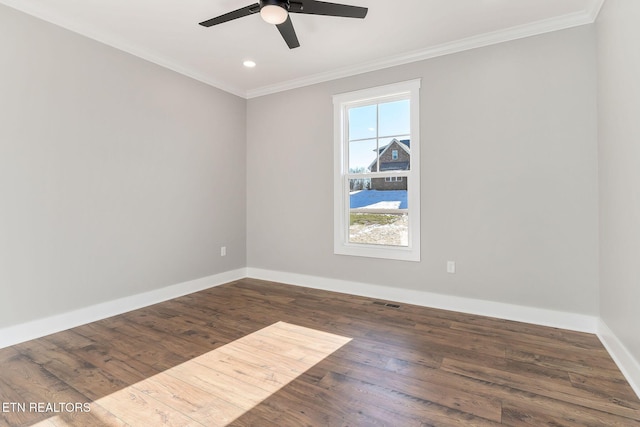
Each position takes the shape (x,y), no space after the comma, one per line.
(393,233)
(378,199)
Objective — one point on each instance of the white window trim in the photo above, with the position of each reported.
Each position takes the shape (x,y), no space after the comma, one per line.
(341,196)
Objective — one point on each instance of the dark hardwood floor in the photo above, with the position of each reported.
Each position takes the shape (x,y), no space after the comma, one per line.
(216,358)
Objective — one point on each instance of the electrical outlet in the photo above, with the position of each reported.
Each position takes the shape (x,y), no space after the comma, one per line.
(451,267)
(223,251)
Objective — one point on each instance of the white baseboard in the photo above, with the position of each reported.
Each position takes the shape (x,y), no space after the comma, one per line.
(629,366)
(38,328)
(538,316)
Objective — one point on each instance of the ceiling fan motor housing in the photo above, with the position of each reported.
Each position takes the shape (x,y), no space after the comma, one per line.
(282,3)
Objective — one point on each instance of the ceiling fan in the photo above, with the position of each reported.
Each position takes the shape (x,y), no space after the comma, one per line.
(277,12)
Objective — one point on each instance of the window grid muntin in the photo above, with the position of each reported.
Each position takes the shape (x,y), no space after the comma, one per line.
(405,96)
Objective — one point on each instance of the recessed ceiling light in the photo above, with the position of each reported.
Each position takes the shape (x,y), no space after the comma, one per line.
(249,64)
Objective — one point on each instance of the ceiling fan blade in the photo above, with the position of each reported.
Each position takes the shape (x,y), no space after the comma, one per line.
(288,33)
(240,13)
(312,7)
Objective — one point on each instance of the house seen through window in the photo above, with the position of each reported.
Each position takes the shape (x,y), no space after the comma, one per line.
(377,172)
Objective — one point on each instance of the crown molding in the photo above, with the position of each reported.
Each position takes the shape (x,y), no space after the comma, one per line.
(588,16)
(595,9)
(513,33)
(118,43)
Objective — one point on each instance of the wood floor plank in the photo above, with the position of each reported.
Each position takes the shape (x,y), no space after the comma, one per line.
(138,409)
(227,388)
(33,382)
(550,412)
(10,397)
(97,417)
(201,405)
(348,410)
(398,405)
(607,388)
(302,403)
(151,352)
(572,361)
(440,336)
(86,378)
(259,353)
(243,351)
(521,332)
(267,378)
(8,353)
(565,393)
(443,394)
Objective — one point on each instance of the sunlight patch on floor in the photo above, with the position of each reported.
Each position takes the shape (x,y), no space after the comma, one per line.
(216,388)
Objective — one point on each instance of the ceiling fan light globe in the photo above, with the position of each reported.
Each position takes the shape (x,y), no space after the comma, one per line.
(274,14)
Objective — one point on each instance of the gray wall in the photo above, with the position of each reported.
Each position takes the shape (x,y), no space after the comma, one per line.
(619,169)
(509,176)
(119,177)
(116,176)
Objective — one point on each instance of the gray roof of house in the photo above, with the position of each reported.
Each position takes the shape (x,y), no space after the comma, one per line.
(406,142)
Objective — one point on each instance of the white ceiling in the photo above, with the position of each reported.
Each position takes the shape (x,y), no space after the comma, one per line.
(394,32)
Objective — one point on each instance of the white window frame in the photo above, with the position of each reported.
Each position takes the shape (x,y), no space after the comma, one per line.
(394,154)
(341,102)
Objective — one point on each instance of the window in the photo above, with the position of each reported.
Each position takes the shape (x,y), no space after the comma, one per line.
(377,172)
